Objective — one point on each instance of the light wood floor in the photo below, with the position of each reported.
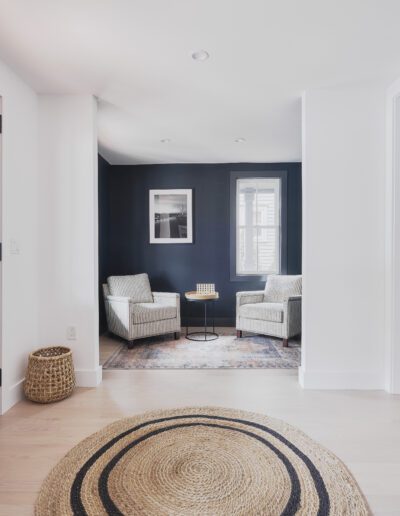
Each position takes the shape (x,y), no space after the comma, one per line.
(362,428)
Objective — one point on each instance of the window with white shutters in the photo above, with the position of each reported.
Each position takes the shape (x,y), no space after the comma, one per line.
(258,226)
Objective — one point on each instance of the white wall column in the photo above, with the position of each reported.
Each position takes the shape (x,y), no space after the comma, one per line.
(68,270)
(343,238)
(20,286)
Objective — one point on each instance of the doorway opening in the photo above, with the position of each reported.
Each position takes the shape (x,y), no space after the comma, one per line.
(246,222)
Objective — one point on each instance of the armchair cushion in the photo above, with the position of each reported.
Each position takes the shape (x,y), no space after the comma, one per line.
(152,312)
(280,288)
(136,287)
(272,312)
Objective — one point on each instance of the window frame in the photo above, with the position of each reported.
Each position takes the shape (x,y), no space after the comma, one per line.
(257,174)
(257,226)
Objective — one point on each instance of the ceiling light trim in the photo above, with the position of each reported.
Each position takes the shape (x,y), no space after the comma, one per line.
(200,55)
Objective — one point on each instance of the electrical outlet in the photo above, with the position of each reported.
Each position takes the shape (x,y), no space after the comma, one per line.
(14,246)
(71,332)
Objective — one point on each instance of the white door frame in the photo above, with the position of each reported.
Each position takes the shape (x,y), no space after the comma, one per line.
(2,252)
(392,267)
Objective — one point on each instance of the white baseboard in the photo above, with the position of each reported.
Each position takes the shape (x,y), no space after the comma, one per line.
(12,395)
(89,377)
(339,381)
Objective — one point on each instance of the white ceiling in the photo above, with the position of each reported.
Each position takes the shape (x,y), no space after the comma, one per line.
(135,56)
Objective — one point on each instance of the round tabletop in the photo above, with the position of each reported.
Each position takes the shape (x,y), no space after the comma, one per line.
(195,296)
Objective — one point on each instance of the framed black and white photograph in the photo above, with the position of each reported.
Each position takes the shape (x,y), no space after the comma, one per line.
(171,216)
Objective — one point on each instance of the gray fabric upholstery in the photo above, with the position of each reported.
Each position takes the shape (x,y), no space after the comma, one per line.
(252,296)
(293,320)
(133,321)
(151,312)
(279,288)
(263,311)
(136,287)
(276,318)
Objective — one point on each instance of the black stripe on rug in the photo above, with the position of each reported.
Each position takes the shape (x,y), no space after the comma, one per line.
(75,494)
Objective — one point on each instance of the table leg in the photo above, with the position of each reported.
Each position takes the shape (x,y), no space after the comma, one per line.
(205,320)
(213,307)
(203,335)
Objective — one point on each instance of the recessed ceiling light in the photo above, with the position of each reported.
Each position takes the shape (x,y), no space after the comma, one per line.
(240,140)
(165,140)
(200,55)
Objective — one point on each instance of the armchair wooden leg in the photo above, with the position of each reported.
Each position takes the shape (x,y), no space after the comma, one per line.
(131,344)
(239,334)
(177,335)
(285,343)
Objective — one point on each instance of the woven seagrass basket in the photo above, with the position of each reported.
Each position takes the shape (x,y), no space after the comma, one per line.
(50,375)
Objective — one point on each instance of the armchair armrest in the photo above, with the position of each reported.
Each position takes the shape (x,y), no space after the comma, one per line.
(167,298)
(292,316)
(251,296)
(118,310)
(170,299)
(119,299)
(290,302)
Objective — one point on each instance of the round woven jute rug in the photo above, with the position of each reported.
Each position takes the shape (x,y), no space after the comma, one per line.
(193,461)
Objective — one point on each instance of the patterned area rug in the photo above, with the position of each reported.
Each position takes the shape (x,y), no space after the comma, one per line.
(199,461)
(249,352)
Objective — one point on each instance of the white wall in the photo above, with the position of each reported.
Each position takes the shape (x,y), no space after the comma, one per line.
(68,229)
(343,237)
(19,229)
(49,230)
(392,283)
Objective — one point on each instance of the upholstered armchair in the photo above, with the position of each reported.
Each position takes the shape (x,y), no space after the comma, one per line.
(274,311)
(133,311)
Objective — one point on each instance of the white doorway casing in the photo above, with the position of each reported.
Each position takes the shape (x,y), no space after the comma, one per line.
(392,268)
(68,237)
(1,240)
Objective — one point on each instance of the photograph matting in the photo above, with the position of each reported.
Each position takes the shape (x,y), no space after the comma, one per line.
(170,216)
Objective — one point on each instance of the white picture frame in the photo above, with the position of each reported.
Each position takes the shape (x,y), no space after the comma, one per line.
(170,216)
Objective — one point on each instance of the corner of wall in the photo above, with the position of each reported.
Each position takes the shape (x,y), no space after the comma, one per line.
(89,377)
(392,241)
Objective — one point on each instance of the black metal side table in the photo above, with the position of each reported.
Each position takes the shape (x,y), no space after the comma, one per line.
(194,297)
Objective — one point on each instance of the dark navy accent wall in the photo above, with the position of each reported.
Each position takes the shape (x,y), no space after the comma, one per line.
(124,229)
(104,220)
